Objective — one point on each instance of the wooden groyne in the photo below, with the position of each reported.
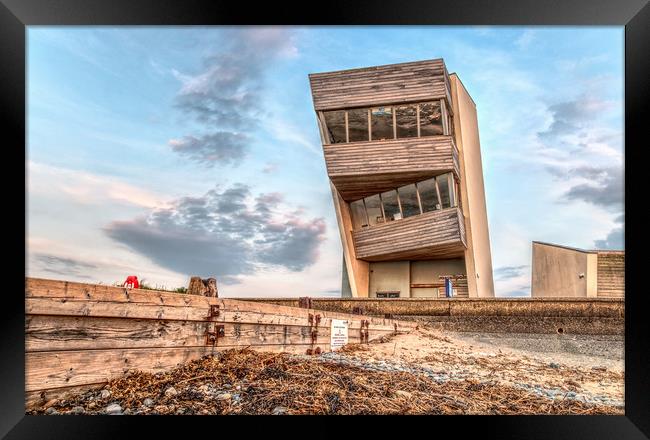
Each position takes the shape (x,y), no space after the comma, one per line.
(80,335)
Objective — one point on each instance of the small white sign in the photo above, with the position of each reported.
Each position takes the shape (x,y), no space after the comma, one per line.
(339,333)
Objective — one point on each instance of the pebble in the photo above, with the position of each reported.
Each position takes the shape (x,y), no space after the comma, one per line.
(279,410)
(105,394)
(148,402)
(224,396)
(405,394)
(51,411)
(51,403)
(554,365)
(127,412)
(171,391)
(227,385)
(113,409)
(78,410)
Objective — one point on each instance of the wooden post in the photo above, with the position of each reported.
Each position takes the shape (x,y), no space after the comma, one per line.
(201,287)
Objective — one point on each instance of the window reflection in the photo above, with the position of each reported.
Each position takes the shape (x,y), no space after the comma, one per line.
(430,119)
(391,205)
(373,208)
(406,201)
(429,195)
(443,185)
(388,122)
(358,125)
(406,119)
(335,122)
(381,119)
(408,197)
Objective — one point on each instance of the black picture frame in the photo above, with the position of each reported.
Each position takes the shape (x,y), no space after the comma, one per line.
(15,15)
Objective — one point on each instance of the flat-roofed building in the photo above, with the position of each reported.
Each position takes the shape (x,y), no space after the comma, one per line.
(562,271)
(402,151)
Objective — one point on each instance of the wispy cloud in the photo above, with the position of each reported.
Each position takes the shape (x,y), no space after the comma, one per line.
(85,187)
(227,93)
(64,266)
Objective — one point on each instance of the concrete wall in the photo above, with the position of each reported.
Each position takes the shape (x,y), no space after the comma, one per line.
(427,272)
(556,272)
(478,256)
(356,270)
(391,275)
(521,315)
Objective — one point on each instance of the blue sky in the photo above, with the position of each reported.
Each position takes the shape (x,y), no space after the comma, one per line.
(171,151)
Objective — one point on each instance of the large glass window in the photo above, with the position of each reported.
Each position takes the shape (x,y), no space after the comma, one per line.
(406,119)
(430,119)
(409,200)
(381,119)
(391,205)
(359,219)
(443,185)
(373,208)
(358,125)
(429,195)
(335,122)
(408,197)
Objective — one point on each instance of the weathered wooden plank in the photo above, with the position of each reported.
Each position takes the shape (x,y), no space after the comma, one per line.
(54,369)
(412,236)
(48,333)
(165,302)
(380,85)
(108,309)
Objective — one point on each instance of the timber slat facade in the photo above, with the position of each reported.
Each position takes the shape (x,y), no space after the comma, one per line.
(79,335)
(394,84)
(611,274)
(358,169)
(439,234)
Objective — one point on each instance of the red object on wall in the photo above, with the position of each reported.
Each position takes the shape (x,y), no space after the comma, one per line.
(131,282)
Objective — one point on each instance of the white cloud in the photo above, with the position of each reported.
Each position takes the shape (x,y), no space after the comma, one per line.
(86,188)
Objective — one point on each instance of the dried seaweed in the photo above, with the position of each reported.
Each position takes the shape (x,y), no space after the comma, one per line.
(251,382)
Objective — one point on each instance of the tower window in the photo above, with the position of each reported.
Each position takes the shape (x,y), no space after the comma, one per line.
(391,206)
(358,125)
(408,198)
(335,122)
(406,119)
(381,119)
(431,119)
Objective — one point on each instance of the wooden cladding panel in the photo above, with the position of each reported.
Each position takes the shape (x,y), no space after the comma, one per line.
(431,153)
(611,274)
(389,84)
(82,334)
(436,234)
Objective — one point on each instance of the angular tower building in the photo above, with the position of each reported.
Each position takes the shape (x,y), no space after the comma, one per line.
(402,152)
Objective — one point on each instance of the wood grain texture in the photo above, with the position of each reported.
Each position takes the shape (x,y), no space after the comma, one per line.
(435,234)
(54,369)
(360,169)
(611,274)
(80,334)
(47,333)
(167,305)
(388,84)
